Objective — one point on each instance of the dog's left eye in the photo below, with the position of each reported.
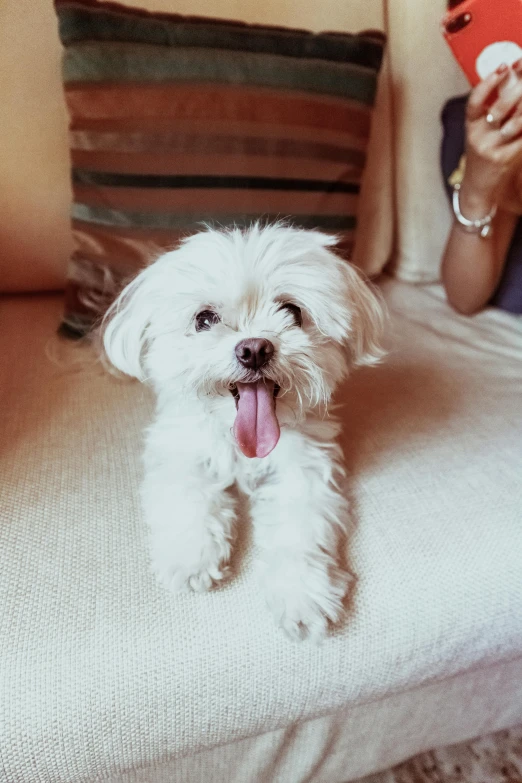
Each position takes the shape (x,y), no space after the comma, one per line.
(294,311)
(206,319)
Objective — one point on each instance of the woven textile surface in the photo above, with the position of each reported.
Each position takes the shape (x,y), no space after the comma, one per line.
(105,675)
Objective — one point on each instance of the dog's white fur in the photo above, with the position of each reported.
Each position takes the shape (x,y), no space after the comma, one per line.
(191,458)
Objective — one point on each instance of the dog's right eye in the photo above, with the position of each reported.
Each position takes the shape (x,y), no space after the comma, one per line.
(206,319)
(294,311)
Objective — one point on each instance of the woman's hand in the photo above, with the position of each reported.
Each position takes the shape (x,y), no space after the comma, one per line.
(472,265)
(493,139)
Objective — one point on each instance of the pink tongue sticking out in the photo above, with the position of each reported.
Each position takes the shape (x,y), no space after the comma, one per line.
(256,427)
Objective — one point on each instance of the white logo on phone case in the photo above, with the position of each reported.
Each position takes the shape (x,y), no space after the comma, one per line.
(496,54)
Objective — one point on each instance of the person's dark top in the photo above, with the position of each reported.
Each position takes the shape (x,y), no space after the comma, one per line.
(508,295)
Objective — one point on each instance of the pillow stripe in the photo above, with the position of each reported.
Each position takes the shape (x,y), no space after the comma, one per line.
(215,103)
(113,180)
(93,239)
(78,24)
(215,200)
(96,62)
(219,163)
(213,144)
(127,219)
(149,126)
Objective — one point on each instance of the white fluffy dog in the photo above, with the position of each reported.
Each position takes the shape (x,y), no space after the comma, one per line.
(244,335)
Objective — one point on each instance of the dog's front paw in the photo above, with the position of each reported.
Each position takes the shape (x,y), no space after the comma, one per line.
(305,598)
(199,577)
(196,567)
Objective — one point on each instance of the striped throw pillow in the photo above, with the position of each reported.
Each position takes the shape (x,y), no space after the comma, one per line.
(178,121)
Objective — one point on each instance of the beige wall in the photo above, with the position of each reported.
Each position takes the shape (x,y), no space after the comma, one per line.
(34,166)
(340,15)
(34,189)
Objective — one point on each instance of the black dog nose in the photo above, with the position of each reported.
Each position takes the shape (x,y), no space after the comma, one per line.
(254,352)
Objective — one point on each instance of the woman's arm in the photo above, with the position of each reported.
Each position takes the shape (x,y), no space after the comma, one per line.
(472,265)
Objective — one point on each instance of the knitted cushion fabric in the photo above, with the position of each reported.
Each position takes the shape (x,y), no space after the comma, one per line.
(105,673)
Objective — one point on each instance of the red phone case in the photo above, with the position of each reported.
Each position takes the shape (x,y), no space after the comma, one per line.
(483,34)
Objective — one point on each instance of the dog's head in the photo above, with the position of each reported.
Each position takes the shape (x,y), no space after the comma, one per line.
(268,318)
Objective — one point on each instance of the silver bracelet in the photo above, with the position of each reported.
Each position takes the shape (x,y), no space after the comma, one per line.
(482,226)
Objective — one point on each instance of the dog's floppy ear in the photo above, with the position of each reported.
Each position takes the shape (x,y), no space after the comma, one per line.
(356,311)
(368,317)
(125,327)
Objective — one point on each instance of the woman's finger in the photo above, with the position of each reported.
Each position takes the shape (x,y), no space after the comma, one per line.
(512,129)
(518,109)
(483,92)
(505,105)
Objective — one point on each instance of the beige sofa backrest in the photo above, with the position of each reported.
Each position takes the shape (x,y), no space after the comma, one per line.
(424,75)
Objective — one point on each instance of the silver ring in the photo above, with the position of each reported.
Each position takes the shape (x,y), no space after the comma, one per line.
(490,120)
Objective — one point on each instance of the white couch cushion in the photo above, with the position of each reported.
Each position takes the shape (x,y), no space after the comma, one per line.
(103,671)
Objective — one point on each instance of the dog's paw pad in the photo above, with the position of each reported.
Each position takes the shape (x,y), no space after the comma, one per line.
(199,580)
(308,615)
(204,580)
(198,577)
(299,630)
(197,568)
(303,619)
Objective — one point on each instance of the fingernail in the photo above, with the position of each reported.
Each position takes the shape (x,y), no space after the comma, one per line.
(503,68)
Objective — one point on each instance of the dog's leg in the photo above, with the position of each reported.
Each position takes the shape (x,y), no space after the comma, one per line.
(191,519)
(300,520)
